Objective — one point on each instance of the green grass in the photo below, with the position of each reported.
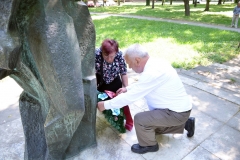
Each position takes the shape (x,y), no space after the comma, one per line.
(218,14)
(183,45)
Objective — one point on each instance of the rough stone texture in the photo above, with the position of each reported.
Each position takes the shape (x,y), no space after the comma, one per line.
(47,47)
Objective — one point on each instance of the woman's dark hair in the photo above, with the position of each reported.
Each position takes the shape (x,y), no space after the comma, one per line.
(109,46)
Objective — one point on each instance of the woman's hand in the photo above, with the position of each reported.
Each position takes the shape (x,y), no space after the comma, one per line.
(121,90)
(100,106)
(124,80)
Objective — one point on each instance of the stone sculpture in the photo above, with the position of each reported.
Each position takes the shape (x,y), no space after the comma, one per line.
(47,47)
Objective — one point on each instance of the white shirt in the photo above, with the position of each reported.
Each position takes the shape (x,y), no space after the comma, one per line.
(160,85)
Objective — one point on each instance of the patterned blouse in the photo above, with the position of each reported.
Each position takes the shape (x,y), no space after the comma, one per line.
(110,70)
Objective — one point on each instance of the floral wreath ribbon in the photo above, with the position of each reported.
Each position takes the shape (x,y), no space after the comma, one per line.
(126,110)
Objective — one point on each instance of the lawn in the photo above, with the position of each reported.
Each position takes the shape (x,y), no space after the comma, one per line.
(218,14)
(183,45)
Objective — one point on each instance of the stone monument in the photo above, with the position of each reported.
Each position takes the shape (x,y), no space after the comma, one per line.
(47,47)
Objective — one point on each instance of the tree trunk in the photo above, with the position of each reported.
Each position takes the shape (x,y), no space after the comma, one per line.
(219,2)
(118,2)
(207,5)
(153,4)
(163,1)
(195,3)
(187,7)
(170,2)
(147,2)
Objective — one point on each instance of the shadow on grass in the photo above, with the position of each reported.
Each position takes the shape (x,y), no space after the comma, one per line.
(213,44)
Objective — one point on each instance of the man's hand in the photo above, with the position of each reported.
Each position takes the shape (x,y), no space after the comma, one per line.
(100,106)
(121,90)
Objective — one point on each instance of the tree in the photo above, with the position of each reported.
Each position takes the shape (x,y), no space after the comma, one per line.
(170,2)
(147,2)
(153,4)
(195,3)
(118,1)
(207,5)
(187,7)
(163,1)
(219,2)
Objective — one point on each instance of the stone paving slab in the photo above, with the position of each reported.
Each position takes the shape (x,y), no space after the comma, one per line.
(227,95)
(9,97)
(219,72)
(215,118)
(232,97)
(205,155)
(211,105)
(234,122)
(234,62)
(224,144)
(109,146)
(182,22)
(12,140)
(224,83)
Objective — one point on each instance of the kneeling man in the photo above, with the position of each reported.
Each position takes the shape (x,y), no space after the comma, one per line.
(169,104)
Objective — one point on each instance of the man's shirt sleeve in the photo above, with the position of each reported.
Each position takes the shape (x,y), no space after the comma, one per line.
(136,91)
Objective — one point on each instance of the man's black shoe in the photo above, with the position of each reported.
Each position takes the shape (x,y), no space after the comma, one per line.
(190,126)
(136,148)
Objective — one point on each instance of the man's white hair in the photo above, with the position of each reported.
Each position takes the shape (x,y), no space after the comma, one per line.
(136,50)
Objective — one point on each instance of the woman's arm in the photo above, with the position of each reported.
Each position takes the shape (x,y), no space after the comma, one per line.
(124,80)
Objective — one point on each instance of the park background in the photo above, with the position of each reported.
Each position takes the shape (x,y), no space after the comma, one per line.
(185,46)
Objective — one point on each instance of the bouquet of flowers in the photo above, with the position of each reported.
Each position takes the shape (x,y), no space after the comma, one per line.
(116,116)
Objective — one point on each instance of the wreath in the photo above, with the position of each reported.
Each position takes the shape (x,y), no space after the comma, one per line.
(116,116)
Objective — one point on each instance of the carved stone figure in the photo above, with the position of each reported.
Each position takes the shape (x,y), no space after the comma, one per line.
(47,47)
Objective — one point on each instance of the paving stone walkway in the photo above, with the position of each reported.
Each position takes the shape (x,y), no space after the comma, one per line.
(221,27)
(216,106)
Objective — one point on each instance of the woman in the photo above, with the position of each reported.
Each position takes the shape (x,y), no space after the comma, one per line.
(111,73)
(111,69)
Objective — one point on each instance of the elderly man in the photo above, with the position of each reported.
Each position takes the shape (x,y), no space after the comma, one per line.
(169,105)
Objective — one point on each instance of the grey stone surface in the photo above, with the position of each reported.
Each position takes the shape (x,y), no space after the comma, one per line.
(9,106)
(214,79)
(48,47)
(110,146)
(201,154)
(211,105)
(188,81)
(230,96)
(219,72)
(205,126)
(207,143)
(12,140)
(224,144)
(208,87)
(234,122)
(234,62)
(215,137)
